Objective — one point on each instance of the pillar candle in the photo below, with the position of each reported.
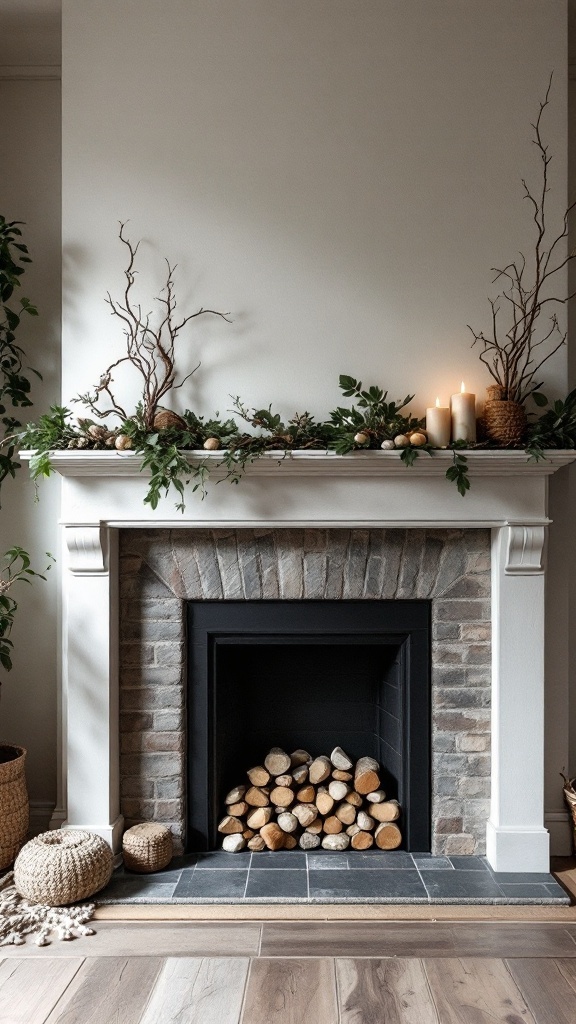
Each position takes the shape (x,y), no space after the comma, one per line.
(438,424)
(463,416)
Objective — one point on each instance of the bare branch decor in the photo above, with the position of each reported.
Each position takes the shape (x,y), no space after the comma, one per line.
(519,343)
(150,346)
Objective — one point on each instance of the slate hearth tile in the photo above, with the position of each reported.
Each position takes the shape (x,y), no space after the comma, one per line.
(426,862)
(212,885)
(460,885)
(516,877)
(470,863)
(291,859)
(554,889)
(131,889)
(536,891)
(380,860)
(281,884)
(394,886)
(218,860)
(327,861)
(170,875)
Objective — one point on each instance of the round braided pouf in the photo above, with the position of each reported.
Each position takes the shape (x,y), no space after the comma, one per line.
(147,847)
(63,867)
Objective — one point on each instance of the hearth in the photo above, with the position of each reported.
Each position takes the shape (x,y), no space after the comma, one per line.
(311,674)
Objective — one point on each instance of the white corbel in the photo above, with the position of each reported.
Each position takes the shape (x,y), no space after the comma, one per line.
(87,548)
(525,549)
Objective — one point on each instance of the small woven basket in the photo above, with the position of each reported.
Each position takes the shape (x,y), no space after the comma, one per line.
(504,421)
(14,811)
(147,847)
(63,867)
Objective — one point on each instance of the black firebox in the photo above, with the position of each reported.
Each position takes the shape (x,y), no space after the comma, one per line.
(311,674)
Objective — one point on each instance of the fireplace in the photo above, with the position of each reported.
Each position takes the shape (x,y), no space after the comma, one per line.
(317,491)
(311,674)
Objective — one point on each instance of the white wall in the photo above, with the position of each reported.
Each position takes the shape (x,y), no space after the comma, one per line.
(30,191)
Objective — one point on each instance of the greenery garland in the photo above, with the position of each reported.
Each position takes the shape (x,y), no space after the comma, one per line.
(369,424)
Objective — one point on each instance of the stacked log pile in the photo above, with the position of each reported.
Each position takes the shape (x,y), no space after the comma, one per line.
(294,800)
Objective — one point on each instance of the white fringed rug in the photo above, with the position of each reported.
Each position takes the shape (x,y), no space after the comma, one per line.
(20,917)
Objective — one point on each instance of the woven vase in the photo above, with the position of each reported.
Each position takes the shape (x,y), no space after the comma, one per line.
(504,420)
(14,812)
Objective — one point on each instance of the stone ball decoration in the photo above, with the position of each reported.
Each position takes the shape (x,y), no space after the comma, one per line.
(147,847)
(62,867)
(401,441)
(387,445)
(211,444)
(361,437)
(418,439)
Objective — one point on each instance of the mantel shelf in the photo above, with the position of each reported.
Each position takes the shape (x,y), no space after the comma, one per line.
(319,463)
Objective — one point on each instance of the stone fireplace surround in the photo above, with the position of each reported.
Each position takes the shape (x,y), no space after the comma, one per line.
(161,569)
(102,495)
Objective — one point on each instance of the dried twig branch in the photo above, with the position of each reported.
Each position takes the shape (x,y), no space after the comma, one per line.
(150,349)
(509,353)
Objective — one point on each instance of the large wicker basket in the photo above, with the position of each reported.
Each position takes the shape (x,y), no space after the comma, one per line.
(63,867)
(14,812)
(504,420)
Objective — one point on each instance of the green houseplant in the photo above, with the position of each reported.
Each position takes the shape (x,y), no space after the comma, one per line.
(16,568)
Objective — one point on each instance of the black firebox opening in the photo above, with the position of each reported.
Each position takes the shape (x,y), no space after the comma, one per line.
(312,674)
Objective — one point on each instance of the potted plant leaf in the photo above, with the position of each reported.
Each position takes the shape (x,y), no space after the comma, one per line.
(14,394)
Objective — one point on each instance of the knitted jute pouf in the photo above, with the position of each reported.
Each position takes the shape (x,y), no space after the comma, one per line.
(63,867)
(147,847)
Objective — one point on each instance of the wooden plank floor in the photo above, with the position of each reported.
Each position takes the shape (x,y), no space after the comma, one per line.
(294,973)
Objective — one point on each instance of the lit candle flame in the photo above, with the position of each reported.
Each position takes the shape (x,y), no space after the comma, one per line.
(462,388)
(437,403)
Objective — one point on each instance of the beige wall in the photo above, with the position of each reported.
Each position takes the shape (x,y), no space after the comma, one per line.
(340,175)
(30,191)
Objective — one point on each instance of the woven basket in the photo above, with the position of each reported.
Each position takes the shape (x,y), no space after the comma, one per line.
(14,811)
(63,867)
(504,421)
(147,847)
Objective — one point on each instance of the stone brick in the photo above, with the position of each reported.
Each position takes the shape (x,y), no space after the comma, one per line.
(478,654)
(155,609)
(478,764)
(470,697)
(463,611)
(478,675)
(150,631)
(466,720)
(473,742)
(444,653)
(138,810)
(137,787)
(158,697)
(136,653)
(449,764)
(460,845)
(168,654)
(474,787)
(469,586)
(136,721)
(446,630)
(163,741)
(476,631)
(167,810)
(448,825)
(153,766)
(168,789)
(444,742)
(150,675)
(446,675)
(478,561)
(446,785)
(169,721)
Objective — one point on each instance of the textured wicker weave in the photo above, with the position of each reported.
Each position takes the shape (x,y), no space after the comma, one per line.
(147,847)
(504,421)
(13,803)
(63,867)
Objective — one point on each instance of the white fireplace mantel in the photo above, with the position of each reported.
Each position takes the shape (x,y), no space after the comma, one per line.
(103,492)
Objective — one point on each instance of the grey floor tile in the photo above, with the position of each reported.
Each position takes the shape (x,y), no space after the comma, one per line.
(170,875)
(380,860)
(367,885)
(460,885)
(291,859)
(470,863)
(213,885)
(556,890)
(328,861)
(430,863)
(281,884)
(136,889)
(219,860)
(532,891)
